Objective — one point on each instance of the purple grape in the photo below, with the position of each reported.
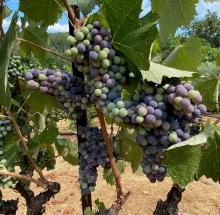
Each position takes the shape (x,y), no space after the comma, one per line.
(98,39)
(94,32)
(166,126)
(181,91)
(150,109)
(153,104)
(171,89)
(96,24)
(185,103)
(150,119)
(186,136)
(162,106)
(93,56)
(29,76)
(81,48)
(202,108)
(104,44)
(35,73)
(171,97)
(179,132)
(158,113)
(110,82)
(188,86)
(111,54)
(43,89)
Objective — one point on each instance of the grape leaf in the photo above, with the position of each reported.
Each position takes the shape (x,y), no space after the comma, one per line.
(210,163)
(46,102)
(11,152)
(208,84)
(186,56)
(218,60)
(6,12)
(5,52)
(174,14)
(108,175)
(129,149)
(46,12)
(68,150)
(37,35)
(131,35)
(46,138)
(85,6)
(158,71)
(183,160)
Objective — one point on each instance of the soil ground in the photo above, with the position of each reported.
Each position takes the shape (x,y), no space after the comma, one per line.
(200,198)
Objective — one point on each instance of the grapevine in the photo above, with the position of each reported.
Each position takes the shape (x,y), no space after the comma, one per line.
(147,111)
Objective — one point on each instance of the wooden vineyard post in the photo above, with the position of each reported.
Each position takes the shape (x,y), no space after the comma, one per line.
(81,120)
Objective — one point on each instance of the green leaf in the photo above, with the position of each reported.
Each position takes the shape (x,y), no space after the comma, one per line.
(208,84)
(173,14)
(37,35)
(183,160)
(210,163)
(158,71)
(45,139)
(129,149)
(5,52)
(85,6)
(218,60)
(131,35)
(6,12)
(39,103)
(108,175)
(101,206)
(68,150)
(88,211)
(40,11)
(11,152)
(186,56)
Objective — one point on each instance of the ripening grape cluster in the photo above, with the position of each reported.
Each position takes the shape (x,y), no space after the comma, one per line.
(92,155)
(163,115)
(66,88)
(5,128)
(15,68)
(170,113)
(104,68)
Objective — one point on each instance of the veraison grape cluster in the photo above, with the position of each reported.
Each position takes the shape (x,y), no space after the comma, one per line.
(66,88)
(104,68)
(163,115)
(15,68)
(5,129)
(92,155)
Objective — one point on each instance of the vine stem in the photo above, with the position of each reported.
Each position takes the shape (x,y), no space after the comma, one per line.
(72,16)
(24,145)
(43,48)
(23,177)
(110,154)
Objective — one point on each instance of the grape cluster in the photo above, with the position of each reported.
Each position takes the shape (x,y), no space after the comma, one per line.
(15,68)
(5,128)
(104,68)
(163,115)
(172,114)
(92,155)
(66,88)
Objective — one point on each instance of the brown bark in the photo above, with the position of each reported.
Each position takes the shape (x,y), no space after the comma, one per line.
(107,140)
(170,206)
(24,145)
